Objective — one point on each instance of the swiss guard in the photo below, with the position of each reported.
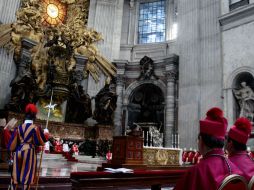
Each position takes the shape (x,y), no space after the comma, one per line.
(209,173)
(236,147)
(23,142)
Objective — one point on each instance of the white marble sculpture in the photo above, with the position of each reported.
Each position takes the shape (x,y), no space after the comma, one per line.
(245,98)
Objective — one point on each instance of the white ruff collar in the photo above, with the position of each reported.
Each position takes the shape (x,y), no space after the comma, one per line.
(28,121)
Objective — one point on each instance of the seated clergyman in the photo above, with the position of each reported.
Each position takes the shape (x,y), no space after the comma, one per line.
(209,173)
(236,147)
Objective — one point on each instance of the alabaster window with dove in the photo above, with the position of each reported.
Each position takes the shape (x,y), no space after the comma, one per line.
(54,12)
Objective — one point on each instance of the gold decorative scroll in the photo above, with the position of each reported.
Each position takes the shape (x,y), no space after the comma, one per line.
(71,26)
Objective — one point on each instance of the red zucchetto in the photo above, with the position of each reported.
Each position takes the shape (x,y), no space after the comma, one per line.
(241,130)
(214,124)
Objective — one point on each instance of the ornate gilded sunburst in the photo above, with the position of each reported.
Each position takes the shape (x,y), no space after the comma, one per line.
(54,12)
(41,20)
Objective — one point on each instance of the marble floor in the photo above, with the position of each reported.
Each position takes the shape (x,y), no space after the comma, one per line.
(59,166)
(55,165)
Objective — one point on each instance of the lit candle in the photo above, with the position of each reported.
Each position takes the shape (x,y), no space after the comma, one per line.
(178,140)
(172,140)
(162,139)
(147,135)
(151,136)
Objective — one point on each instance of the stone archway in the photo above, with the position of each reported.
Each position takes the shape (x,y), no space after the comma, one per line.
(146,105)
(146,108)
(130,78)
(131,88)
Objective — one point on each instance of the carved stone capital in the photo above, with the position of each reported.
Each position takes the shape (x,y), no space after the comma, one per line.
(80,62)
(171,75)
(78,76)
(120,79)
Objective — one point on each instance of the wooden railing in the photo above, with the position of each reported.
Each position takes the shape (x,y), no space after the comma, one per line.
(154,179)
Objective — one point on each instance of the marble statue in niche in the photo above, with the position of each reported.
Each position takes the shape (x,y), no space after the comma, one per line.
(245,99)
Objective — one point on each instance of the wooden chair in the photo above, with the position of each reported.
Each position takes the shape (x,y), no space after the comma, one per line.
(234,182)
(251,184)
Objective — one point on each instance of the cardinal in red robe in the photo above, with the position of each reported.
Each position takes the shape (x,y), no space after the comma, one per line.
(58,147)
(209,173)
(236,147)
(74,149)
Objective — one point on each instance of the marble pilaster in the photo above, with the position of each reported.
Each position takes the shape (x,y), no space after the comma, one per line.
(200,68)
(120,83)
(170,112)
(105,16)
(7,65)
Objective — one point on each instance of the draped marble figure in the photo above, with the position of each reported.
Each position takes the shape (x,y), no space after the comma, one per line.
(245,98)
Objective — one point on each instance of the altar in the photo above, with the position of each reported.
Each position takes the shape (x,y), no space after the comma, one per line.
(160,156)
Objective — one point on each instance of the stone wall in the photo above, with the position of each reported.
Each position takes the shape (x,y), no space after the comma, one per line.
(237,57)
(105,16)
(200,69)
(161,53)
(130,49)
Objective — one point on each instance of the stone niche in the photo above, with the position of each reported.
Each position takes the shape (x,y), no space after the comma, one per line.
(147,93)
(243,92)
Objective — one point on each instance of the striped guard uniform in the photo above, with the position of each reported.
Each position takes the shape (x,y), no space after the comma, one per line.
(22,143)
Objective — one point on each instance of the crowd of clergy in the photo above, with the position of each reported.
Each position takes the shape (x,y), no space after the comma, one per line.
(222,153)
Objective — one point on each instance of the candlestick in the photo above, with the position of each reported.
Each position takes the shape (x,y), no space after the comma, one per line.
(172,140)
(147,138)
(151,135)
(178,140)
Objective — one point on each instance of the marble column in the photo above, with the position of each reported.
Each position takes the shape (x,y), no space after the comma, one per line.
(7,65)
(120,82)
(7,10)
(169,131)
